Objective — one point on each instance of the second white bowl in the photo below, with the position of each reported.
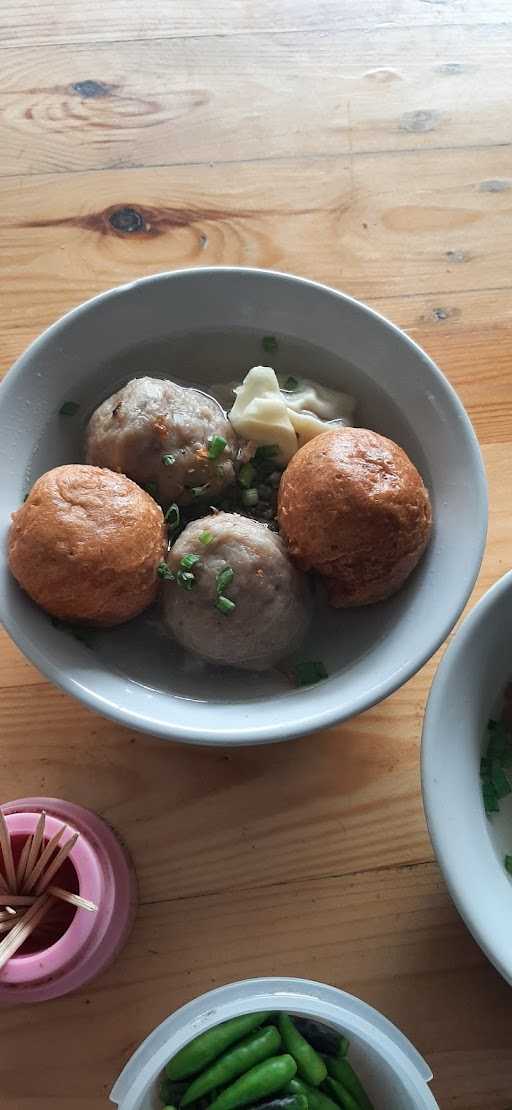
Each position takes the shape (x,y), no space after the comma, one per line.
(469,847)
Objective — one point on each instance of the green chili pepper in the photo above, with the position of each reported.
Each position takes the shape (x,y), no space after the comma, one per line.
(238,1060)
(208,1045)
(171,1093)
(343,1097)
(286,1102)
(265,1079)
(310,1065)
(316,1098)
(343,1072)
(322,1037)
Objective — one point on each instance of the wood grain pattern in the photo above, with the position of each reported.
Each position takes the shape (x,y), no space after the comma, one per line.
(370,933)
(62,21)
(169,102)
(367,146)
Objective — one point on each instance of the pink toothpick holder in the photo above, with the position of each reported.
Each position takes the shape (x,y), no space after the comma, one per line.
(81,944)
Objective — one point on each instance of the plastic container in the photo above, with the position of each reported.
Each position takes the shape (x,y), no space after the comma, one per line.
(394,1074)
(100,870)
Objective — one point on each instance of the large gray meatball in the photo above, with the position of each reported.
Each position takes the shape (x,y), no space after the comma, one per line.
(160,435)
(271,597)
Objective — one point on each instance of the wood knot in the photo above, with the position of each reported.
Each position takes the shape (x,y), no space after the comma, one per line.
(91,90)
(127,220)
(422,120)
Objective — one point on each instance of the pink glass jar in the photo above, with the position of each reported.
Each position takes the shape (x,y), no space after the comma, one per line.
(99,869)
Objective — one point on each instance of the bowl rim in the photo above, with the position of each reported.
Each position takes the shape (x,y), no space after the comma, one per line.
(464,894)
(321,1001)
(310,720)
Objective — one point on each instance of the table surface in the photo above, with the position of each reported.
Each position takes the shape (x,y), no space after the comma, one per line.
(363,145)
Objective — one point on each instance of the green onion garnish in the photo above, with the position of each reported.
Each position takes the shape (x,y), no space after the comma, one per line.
(216,445)
(308,672)
(508,864)
(490,799)
(266,451)
(224,579)
(197,491)
(172,518)
(206,537)
(185,579)
(498,742)
(247,475)
(151,488)
(250,498)
(291,384)
(69,408)
(189,561)
(499,780)
(225,605)
(163,571)
(269,343)
(168,460)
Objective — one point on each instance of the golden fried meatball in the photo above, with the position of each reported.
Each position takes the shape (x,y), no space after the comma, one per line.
(353,507)
(86,545)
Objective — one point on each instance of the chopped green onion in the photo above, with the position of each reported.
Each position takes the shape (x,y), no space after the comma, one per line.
(291,384)
(224,579)
(266,451)
(225,605)
(197,491)
(206,537)
(168,460)
(508,864)
(151,488)
(185,579)
(485,767)
(498,742)
(189,561)
(490,799)
(308,672)
(172,517)
(246,475)
(499,780)
(216,445)
(163,571)
(69,408)
(250,498)
(269,343)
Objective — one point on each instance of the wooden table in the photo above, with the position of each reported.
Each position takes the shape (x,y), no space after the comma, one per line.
(367,145)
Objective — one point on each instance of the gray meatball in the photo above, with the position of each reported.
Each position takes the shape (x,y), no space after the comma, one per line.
(271,597)
(158,433)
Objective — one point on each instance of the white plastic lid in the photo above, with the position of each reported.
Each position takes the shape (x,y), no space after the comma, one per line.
(393,1072)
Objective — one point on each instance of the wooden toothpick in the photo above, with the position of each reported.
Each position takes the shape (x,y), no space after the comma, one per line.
(44,858)
(6,846)
(27,892)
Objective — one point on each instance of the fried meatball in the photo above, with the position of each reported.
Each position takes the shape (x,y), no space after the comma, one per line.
(271,597)
(353,507)
(158,433)
(86,545)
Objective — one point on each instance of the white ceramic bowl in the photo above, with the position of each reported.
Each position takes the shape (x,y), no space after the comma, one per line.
(389,1067)
(469,847)
(208,325)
